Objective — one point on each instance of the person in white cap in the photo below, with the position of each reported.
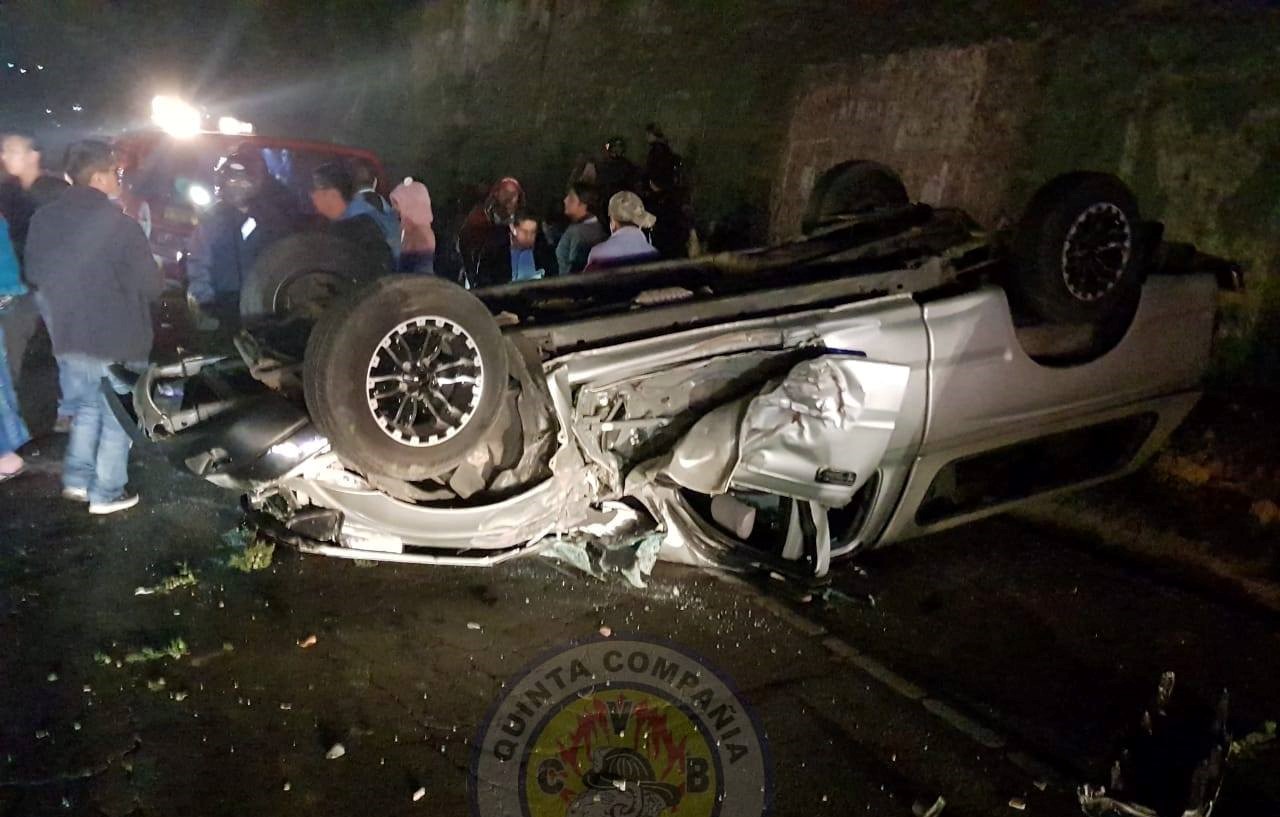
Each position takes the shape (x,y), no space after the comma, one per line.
(628,244)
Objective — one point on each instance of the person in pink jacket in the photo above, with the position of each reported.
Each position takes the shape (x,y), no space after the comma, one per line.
(418,240)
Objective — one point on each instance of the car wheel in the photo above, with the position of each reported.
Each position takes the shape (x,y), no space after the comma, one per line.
(1076,251)
(300,276)
(406,377)
(852,189)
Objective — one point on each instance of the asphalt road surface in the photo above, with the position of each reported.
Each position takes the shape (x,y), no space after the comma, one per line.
(996,667)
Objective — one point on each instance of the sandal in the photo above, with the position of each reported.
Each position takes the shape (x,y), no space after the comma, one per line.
(7,475)
(12,474)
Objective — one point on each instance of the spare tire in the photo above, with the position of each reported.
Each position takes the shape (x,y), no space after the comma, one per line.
(852,189)
(1076,254)
(406,377)
(300,276)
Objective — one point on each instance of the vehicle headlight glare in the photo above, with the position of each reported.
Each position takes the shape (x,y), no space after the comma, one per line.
(235,127)
(175,117)
(199,195)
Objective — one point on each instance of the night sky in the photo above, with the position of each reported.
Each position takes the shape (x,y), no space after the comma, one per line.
(71,67)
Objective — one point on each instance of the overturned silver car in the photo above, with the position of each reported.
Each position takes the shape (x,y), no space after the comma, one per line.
(893,372)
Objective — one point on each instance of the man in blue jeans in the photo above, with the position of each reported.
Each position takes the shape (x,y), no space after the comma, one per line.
(95,269)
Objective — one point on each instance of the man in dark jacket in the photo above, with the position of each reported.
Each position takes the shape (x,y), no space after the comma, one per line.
(665,196)
(661,164)
(32,188)
(333,194)
(28,189)
(249,216)
(95,269)
(365,177)
(613,171)
(580,204)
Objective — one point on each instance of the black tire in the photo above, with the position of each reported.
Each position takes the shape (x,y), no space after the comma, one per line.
(300,276)
(347,365)
(852,189)
(1076,251)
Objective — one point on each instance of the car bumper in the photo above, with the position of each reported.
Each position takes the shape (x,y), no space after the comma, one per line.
(239,442)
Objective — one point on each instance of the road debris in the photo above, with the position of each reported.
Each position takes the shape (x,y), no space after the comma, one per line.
(156,685)
(833,596)
(918,809)
(1254,742)
(420,793)
(255,556)
(606,631)
(175,649)
(473,625)
(239,538)
(1171,764)
(1017,804)
(336,751)
(309,641)
(182,578)
(615,540)
(51,677)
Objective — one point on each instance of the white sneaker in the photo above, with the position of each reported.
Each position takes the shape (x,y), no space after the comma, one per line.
(76,494)
(121,503)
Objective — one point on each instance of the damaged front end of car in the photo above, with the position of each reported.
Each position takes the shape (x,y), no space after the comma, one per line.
(727,452)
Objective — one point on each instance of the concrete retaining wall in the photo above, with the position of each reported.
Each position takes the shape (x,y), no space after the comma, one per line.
(949,120)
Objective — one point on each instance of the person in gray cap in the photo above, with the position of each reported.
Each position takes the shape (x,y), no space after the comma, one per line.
(628,244)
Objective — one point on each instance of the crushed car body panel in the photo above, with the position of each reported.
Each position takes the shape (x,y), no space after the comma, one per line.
(817,435)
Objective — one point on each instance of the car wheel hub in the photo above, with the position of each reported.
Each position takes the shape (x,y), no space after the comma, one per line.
(424,381)
(1096,251)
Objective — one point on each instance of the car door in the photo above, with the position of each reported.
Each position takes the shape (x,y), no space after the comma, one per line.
(817,434)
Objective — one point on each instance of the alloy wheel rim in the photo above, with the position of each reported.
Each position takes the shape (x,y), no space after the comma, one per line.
(1096,251)
(424,381)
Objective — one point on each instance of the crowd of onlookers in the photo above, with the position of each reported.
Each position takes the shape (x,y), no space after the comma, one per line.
(614,212)
(71,259)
